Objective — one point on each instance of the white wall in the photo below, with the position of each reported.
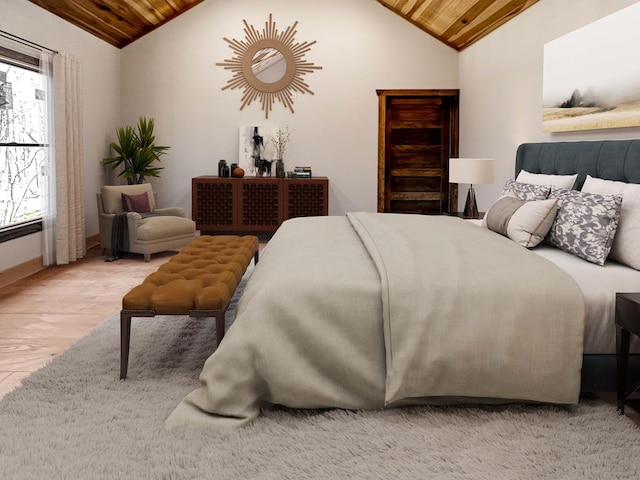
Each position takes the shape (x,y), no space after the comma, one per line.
(501,87)
(171,75)
(101,85)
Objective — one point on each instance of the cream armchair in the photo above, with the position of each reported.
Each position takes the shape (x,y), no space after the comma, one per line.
(166,229)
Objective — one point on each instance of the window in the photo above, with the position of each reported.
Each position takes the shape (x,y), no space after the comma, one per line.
(23,143)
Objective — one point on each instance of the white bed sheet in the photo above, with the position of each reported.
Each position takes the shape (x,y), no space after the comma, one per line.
(599,285)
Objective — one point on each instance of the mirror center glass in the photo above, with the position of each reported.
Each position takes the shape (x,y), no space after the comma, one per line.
(269,65)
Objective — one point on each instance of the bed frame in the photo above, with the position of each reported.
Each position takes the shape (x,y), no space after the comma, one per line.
(610,160)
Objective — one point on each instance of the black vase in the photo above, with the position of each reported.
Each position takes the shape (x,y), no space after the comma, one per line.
(221,165)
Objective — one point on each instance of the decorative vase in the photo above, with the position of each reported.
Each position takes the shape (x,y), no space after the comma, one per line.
(221,165)
(280,168)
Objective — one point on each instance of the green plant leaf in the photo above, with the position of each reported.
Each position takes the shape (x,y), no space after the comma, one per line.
(136,152)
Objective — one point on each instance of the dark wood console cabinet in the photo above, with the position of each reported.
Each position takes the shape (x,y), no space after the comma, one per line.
(255,204)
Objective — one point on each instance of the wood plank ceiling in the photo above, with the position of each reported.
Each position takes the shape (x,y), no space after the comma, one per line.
(458,23)
(118,22)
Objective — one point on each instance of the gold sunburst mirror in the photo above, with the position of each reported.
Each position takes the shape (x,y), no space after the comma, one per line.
(269,66)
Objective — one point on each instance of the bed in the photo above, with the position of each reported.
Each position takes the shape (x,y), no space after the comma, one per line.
(615,160)
(372,311)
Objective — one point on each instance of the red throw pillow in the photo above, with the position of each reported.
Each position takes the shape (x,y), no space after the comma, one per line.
(136,203)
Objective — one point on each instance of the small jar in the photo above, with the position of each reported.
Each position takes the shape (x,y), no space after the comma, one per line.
(221,165)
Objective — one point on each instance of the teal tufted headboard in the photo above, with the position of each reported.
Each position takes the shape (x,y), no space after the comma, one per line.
(607,159)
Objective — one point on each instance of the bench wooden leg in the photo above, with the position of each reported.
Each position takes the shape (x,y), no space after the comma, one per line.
(125,338)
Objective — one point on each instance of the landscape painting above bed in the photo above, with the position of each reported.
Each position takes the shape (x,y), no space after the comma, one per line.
(590,81)
(397,309)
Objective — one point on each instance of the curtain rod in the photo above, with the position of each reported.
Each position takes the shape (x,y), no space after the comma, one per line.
(24,41)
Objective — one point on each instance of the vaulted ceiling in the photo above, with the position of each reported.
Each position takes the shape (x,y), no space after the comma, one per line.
(458,23)
(118,22)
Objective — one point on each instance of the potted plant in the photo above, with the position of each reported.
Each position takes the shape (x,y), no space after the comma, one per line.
(136,152)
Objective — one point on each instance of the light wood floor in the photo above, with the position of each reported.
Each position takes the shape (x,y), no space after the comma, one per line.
(44,314)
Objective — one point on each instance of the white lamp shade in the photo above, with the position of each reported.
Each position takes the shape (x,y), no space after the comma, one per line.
(471,170)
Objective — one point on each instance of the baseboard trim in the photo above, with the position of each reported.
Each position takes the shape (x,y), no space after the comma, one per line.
(18,272)
(28,268)
(93,241)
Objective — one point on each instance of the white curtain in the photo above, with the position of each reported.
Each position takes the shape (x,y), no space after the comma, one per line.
(48,184)
(69,219)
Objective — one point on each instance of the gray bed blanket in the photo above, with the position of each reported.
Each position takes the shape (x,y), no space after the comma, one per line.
(379,310)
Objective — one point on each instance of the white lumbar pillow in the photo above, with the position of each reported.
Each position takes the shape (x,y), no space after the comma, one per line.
(560,181)
(526,223)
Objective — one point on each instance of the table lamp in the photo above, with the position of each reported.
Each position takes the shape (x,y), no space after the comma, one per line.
(471,171)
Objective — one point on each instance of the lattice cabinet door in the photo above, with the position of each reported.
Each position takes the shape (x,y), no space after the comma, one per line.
(306,197)
(260,204)
(213,207)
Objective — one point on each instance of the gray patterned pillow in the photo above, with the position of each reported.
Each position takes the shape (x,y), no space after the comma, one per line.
(585,224)
(526,192)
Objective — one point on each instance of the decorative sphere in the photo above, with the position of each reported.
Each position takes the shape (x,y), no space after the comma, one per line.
(238,172)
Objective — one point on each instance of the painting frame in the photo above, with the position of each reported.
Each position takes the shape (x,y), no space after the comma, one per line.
(255,145)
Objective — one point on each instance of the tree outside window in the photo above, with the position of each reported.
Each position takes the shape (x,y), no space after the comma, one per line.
(23,143)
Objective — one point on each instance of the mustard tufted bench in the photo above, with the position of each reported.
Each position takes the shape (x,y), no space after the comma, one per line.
(199,282)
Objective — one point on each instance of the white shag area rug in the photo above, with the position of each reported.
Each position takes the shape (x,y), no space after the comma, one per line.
(74,419)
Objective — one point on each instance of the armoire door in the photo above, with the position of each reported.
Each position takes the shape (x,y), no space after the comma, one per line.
(418,133)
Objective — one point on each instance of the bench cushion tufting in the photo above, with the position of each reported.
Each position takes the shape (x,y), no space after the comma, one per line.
(203,276)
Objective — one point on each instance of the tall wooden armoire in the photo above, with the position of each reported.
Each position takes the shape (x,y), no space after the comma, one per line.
(418,133)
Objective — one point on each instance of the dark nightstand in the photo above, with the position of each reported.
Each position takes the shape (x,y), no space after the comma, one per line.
(627,322)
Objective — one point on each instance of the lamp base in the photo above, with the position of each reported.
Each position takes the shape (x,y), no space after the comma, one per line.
(471,207)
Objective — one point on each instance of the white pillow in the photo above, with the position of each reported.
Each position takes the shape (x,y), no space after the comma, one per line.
(560,181)
(626,243)
(526,223)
